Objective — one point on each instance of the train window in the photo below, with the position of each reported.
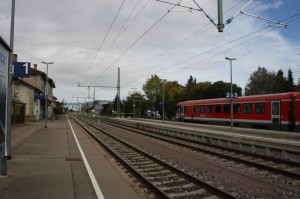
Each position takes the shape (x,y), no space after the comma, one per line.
(202,109)
(196,108)
(210,108)
(218,108)
(226,108)
(275,108)
(260,108)
(186,109)
(237,108)
(248,108)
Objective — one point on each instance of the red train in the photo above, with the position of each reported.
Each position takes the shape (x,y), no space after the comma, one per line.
(274,111)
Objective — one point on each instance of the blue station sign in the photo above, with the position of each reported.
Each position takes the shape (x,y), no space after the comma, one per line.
(21,69)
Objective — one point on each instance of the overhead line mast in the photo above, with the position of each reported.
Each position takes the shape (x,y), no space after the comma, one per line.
(220,26)
(96,86)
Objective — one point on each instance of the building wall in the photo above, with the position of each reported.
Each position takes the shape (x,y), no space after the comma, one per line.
(35,109)
(26,95)
(37,81)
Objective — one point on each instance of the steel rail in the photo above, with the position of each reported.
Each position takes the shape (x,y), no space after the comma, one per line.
(195,180)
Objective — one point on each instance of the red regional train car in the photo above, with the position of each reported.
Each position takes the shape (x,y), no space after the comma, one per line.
(274,111)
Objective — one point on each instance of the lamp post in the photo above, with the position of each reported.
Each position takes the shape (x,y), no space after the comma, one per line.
(46,94)
(231,101)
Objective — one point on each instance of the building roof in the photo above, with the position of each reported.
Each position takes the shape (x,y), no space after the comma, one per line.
(18,80)
(34,71)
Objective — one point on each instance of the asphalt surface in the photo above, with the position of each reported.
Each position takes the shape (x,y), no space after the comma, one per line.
(46,163)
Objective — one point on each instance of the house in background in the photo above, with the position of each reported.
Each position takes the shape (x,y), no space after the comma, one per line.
(28,97)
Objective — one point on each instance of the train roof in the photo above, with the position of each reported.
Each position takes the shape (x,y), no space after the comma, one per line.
(266,97)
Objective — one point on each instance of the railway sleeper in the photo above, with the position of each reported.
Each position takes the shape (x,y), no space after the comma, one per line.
(199,193)
(137,163)
(152,170)
(168,183)
(189,185)
(145,166)
(157,173)
(168,178)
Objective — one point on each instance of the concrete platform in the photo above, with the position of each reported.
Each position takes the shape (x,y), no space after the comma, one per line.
(275,144)
(46,163)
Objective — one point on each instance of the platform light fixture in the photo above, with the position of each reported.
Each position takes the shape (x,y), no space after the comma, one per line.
(231,100)
(46,94)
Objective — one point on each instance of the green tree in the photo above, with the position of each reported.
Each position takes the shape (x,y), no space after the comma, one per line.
(174,93)
(219,89)
(280,83)
(260,82)
(107,109)
(153,91)
(203,89)
(190,89)
(298,86)
(115,103)
(134,103)
(291,87)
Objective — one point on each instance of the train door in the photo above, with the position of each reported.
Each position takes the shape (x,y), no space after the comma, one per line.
(181,114)
(276,120)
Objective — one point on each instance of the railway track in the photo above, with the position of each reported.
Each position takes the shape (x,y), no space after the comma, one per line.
(288,169)
(166,180)
(270,183)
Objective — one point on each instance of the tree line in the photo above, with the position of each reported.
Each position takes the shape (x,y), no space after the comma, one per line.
(156,89)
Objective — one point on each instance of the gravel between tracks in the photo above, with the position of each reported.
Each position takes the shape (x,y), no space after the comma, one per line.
(249,183)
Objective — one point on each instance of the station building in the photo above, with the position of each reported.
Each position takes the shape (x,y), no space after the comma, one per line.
(28,97)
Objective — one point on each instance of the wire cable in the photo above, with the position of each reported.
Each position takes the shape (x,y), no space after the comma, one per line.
(117,36)
(139,38)
(104,38)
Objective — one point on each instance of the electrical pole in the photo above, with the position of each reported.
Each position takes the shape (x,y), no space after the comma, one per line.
(80,104)
(220,24)
(118,94)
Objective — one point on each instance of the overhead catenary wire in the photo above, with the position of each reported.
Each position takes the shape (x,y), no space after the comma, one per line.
(118,35)
(139,38)
(214,48)
(108,31)
(174,4)
(274,27)
(230,42)
(200,30)
(191,8)
(240,44)
(179,5)
(241,11)
(207,16)
(228,21)
(294,19)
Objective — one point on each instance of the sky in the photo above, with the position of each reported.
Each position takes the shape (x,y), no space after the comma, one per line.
(89,40)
